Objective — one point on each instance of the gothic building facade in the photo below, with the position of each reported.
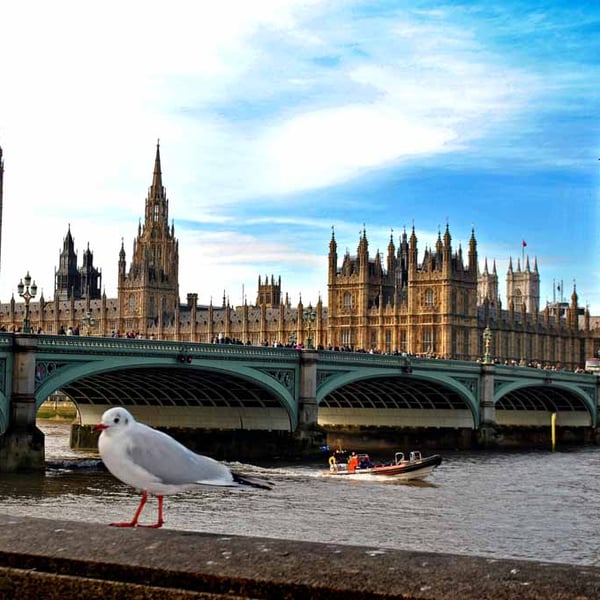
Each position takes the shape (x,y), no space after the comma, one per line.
(437,304)
(149,290)
(406,306)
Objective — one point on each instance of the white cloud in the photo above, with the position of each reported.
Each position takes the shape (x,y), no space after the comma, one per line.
(246,115)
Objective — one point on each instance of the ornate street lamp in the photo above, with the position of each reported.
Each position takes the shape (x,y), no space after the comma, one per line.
(292,339)
(487,340)
(88,321)
(309,316)
(27,291)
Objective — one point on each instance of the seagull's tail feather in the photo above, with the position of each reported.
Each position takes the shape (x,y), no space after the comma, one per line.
(257,482)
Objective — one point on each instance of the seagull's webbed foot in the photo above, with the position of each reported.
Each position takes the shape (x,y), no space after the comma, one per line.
(129,524)
(155,526)
(138,512)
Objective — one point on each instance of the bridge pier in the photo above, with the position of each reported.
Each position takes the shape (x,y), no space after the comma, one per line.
(487,435)
(22,444)
(308,432)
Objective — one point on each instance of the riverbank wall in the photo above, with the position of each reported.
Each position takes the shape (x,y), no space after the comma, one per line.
(50,559)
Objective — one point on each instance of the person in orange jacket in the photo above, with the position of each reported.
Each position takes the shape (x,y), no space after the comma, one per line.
(352,463)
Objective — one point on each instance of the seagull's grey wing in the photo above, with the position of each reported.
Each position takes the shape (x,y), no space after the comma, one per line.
(171,462)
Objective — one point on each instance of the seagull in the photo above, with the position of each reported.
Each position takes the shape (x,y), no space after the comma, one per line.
(155,463)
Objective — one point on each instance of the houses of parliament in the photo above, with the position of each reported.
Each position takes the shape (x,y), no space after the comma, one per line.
(438,305)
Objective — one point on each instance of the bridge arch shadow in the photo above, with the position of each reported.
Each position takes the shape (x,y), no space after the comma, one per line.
(161,393)
(532,405)
(397,400)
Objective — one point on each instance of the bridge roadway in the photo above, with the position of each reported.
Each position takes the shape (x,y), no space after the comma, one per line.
(231,387)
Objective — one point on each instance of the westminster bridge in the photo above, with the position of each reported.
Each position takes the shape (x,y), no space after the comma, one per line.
(222,387)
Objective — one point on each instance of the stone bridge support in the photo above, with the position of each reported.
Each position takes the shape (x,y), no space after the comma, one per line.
(486,433)
(22,445)
(308,409)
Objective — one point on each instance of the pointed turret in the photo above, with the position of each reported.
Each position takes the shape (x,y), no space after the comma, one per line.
(412,250)
(447,236)
(391,256)
(438,244)
(157,185)
(447,252)
(363,244)
(363,255)
(333,258)
(473,253)
(122,263)
(67,278)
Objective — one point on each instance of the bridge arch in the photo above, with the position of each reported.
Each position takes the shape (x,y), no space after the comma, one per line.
(390,397)
(209,394)
(529,403)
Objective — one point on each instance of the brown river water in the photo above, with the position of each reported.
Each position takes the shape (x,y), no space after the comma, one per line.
(535,505)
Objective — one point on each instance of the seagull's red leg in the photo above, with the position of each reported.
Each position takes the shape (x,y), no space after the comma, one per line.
(138,512)
(160,521)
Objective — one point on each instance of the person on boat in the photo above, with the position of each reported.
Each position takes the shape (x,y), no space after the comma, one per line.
(332,464)
(352,463)
(365,462)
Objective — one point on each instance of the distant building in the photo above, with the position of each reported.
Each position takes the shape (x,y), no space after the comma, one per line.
(71,280)
(440,305)
(149,290)
(435,305)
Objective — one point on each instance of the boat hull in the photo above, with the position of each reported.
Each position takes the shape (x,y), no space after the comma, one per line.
(406,470)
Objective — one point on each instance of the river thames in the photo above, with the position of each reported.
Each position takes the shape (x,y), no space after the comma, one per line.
(534,505)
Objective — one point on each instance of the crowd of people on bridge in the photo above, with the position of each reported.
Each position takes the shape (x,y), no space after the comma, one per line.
(222,339)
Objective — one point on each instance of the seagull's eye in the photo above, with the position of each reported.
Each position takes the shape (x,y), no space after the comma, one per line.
(116,420)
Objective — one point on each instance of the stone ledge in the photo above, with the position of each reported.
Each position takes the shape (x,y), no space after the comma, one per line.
(64,559)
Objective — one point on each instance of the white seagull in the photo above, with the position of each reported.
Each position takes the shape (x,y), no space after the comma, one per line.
(155,463)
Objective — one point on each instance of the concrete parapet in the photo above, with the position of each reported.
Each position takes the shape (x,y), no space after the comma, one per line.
(50,559)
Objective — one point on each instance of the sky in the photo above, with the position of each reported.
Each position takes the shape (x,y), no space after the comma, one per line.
(279,120)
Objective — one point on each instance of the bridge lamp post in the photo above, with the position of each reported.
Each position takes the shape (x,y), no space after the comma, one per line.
(88,321)
(292,339)
(309,316)
(27,291)
(487,340)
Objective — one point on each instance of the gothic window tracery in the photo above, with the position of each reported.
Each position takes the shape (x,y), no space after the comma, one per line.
(348,302)
(429,298)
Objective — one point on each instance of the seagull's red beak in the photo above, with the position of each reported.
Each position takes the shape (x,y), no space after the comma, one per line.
(101,427)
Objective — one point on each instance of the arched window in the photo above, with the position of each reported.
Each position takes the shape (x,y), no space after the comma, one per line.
(131,302)
(428,341)
(348,304)
(429,297)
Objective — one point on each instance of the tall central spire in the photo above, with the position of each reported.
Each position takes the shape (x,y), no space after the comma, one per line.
(157,205)
(157,177)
